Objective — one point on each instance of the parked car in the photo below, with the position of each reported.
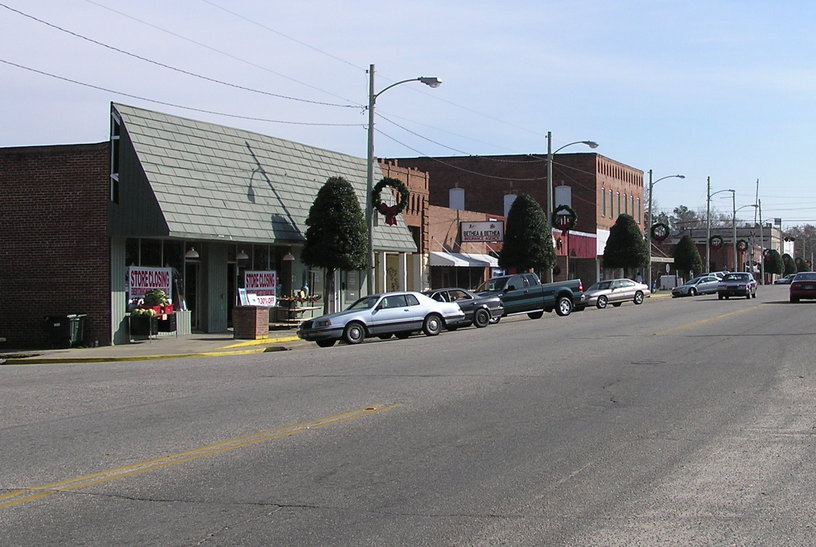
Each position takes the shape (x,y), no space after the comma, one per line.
(382,315)
(718,275)
(737,284)
(705,284)
(615,292)
(785,280)
(803,286)
(480,309)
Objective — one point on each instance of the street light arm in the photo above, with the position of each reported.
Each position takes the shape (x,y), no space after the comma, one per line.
(427,80)
(591,144)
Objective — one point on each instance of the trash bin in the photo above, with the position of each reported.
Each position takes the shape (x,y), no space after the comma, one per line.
(66,330)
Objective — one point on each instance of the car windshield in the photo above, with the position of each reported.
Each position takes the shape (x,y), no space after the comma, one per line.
(493,285)
(735,277)
(806,276)
(693,281)
(365,303)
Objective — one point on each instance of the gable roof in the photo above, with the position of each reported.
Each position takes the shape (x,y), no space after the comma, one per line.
(219,183)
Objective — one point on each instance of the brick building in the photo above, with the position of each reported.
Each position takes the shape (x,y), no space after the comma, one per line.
(598,188)
(54,247)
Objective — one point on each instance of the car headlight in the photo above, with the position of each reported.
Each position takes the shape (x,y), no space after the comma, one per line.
(320,323)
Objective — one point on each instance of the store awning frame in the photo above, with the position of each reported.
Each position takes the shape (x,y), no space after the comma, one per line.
(462,260)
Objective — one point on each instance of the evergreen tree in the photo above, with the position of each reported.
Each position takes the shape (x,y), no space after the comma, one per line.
(790,266)
(625,247)
(774,263)
(528,240)
(337,235)
(687,257)
(801,265)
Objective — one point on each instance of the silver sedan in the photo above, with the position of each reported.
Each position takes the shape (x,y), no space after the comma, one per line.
(382,315)
(705,284)
(615,292)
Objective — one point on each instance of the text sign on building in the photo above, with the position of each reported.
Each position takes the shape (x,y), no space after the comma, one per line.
(262,284)
(490,231)
(142,279)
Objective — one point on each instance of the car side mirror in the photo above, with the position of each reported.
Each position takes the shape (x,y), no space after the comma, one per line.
(511,287)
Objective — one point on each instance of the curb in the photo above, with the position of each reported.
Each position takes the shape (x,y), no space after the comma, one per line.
(239,348)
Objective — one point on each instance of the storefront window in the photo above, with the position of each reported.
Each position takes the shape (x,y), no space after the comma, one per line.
(132,252)
(260,255)
(151,253)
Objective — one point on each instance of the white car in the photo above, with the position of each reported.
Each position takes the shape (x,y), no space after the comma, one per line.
(615,292)
(382,315)
(705,284)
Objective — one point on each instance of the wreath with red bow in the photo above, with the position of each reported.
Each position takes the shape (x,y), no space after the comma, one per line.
(390,211)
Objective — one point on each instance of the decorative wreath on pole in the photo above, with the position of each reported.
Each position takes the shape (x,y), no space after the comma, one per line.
(659,231)
(716,241)
(564,221)
(390,211)
(742,245)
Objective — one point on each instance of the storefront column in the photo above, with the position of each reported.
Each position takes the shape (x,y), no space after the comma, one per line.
(402,272)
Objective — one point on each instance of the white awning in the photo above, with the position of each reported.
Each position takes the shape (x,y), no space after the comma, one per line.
(462,260)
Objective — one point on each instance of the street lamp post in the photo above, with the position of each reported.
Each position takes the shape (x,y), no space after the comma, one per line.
(708,220)
(550,198)
(649,226)
(372,99)
(751,261)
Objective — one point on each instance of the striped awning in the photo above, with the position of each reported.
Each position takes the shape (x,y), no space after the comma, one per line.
(462,260)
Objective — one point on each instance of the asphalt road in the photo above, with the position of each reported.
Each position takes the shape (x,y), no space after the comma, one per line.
(679,422)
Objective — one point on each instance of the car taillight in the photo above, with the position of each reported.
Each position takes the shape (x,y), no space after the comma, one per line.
(580,286)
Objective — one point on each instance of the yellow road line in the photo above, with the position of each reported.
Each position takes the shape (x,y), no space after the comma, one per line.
(23,495)
(703,321)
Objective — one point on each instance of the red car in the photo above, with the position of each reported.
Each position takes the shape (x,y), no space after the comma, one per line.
(803,286)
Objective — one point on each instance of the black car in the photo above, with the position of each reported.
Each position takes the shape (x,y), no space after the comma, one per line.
(480,310)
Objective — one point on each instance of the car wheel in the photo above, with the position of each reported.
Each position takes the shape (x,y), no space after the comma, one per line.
(403,335)
(481,318)
(536,315)
(325,343)
(692,292)
(432,325)
(564,306)
(601,303)
(638,298)
(354,333)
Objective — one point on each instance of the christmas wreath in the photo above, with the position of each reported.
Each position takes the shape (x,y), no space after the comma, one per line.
(716,242)
(390,211)
(742,245)
(564,222)
(659,231)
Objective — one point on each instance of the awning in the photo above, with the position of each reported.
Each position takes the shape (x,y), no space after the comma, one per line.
(462,260)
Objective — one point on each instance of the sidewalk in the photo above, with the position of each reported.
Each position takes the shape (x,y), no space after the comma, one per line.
(163,347)
(169,347)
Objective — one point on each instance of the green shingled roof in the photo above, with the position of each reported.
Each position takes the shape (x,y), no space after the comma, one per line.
(219,183)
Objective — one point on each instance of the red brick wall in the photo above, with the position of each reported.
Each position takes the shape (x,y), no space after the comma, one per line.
(54,248)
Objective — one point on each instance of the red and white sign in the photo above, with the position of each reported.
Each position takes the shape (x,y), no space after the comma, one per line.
(141,279)
(264,285)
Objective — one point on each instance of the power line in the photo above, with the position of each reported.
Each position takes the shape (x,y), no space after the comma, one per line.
(174,105)
(170,67)
(220,52)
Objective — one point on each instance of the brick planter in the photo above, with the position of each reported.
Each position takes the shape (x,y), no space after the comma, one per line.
(250,322)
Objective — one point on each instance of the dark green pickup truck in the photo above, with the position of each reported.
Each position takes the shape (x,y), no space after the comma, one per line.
(525,293)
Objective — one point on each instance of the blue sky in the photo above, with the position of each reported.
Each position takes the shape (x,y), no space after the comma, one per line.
(719,89)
